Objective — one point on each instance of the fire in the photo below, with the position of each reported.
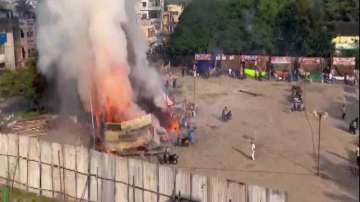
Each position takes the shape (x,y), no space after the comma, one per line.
(174,126)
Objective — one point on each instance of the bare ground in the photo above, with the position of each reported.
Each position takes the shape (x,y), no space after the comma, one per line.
(286,142)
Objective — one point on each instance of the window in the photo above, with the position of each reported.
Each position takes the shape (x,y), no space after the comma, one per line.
(29,34)
(143,17)
(2,65)
(23,52)
(151,32)
(22,35)
(154,14)
(144,4)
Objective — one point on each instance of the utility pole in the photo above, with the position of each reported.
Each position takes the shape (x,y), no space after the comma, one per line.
(319,115)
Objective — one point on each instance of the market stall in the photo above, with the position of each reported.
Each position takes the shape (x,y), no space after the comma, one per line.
(311,67)
(253,62)
(282,67)
(344,67)
(204,63)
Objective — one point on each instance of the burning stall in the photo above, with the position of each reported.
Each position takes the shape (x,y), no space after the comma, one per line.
(282,67)
(311,67)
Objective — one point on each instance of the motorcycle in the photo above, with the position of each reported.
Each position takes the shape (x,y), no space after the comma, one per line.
(168,158)
(297,105)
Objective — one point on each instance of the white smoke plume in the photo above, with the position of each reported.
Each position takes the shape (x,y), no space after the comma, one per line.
(88,41)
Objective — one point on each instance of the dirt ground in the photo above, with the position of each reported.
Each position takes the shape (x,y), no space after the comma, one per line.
(286,142)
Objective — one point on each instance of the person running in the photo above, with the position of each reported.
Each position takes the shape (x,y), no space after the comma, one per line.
(252,146)
(343,109)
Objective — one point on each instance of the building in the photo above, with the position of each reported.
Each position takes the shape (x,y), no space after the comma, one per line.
(27,38)
(346,37)
(149,14)
(10,51)
(171,18)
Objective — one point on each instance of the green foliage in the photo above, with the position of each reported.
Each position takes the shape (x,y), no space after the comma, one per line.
(342,10)
(299,30)
(283,27)
(25,82)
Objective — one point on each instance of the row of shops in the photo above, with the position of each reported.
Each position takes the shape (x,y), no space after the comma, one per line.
(279,66)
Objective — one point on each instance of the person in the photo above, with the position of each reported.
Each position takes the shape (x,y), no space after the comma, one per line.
(357,155)
(343,108)
(230,72)
(257,72)
(174,83)
(268,69)
(183,71)
(242,69)
(353,126)
(226,114)
(166,155)
(252,146)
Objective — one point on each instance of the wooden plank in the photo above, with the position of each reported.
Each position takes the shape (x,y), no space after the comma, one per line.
(277,196)
(46,173)
(24,143)
(236,192)
(34,166)
(108,172)
(3,158)
(217,189)
(58,162)
(13,150)
(122,175)
(199,188)
(166,182)
(135,178)
(137,123)
(69,174)
(256,193)
(183,182)
(150,181)
(95,183)
(82,164)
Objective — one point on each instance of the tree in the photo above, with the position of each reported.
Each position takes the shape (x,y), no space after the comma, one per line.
(300,31)
(25,82)
(342,10)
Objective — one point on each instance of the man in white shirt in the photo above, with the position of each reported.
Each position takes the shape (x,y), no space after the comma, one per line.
(252,145)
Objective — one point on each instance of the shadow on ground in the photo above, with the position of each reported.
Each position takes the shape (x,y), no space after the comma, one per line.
(340,173)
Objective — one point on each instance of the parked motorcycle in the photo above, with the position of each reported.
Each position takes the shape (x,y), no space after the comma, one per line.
(168,158)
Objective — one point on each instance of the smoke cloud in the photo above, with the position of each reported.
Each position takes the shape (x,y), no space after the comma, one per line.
(100,46)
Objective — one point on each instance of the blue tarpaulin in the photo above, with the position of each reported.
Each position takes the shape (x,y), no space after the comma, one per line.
(3,38)
(204,66)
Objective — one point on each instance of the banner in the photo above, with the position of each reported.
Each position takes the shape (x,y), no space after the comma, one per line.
(309,61)
(203,57)
(344,61)
(281,60)
(3,38)
(220,57)
(249,57)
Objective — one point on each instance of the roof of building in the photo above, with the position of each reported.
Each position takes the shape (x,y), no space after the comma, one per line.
(346,29)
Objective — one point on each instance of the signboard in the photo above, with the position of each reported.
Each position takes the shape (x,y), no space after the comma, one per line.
(281,60)
(346,42)
(220,57)
(249,57)
(3,38)
(309,61)
(344,61)
(203,57)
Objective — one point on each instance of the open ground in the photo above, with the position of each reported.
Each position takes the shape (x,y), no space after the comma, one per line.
(286,142)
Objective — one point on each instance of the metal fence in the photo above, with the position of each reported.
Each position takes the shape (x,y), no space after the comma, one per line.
(75,173)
